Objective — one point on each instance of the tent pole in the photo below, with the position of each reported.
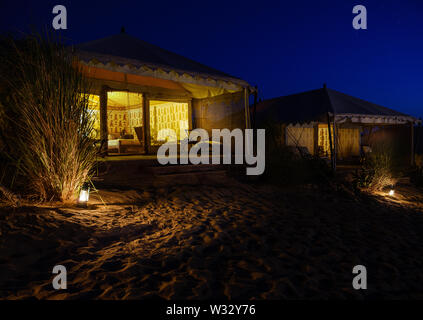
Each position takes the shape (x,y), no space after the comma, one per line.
(316,139)
(335,143)
(248,147)
(330,143)
(255,107)
(146,123)
(247,110)
(103,122)
(147,120)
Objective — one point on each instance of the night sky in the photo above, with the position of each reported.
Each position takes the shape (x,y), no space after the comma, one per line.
(284,47)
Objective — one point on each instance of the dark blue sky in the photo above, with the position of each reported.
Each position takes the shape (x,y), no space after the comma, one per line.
(282,46)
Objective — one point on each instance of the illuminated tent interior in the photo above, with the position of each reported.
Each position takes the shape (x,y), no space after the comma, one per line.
(167,118)
(124,113)
(125,117)
(149,91)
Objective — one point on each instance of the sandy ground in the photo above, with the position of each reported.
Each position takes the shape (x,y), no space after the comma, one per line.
(231,240)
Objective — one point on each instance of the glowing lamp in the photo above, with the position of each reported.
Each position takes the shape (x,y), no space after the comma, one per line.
(84,194)
(391,192)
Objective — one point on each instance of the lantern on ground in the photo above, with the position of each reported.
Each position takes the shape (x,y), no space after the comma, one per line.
(391,192)
(84,194)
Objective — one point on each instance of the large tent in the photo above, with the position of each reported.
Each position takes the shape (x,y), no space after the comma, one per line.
(307,117)
(130,55)
(172,90)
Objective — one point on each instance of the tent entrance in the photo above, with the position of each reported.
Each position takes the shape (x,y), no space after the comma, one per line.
(134,124)
(323,140)
(125,129)
(347,142)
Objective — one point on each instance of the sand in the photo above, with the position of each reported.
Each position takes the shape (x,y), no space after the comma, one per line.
(230,240)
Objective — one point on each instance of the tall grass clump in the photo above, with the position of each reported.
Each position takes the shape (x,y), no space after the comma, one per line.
(45,123)
(379,168)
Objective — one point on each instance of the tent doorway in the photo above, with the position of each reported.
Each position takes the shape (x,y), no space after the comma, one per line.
(124,121)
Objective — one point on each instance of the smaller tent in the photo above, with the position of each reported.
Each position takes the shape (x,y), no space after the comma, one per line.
(333,124)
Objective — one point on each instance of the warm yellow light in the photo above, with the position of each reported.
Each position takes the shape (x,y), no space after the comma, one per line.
(84,196)
(391,192)
(167,117)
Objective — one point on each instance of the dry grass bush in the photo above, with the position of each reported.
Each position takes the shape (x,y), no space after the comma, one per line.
(379,169)
(45,124)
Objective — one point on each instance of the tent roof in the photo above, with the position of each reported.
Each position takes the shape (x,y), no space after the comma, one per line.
(314,105)
(123,50)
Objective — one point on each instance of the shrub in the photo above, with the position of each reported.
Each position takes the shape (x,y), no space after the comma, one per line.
(45,126)
(379,169)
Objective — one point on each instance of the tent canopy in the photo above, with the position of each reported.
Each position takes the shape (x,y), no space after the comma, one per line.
(127,54)
(315,105)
